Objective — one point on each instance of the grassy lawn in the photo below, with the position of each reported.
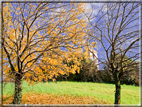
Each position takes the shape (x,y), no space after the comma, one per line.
(100,91)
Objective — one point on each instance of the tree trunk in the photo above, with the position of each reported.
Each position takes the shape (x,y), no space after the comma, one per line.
(18,89)
(117,88)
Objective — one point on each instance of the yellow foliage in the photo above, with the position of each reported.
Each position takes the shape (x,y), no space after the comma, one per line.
(62,30)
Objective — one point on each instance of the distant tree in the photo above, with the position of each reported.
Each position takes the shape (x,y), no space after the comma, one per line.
(88,70)
(131,69)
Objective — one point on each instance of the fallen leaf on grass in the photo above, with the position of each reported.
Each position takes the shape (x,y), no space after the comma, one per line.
(54,99)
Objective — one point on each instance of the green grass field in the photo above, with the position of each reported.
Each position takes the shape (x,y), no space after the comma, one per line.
(101,91)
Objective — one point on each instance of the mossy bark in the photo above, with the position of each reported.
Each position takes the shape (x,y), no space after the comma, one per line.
(18,89)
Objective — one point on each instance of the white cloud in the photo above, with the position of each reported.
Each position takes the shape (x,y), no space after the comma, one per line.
(94,8)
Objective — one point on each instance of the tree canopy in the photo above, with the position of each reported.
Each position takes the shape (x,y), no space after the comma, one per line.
(37,37)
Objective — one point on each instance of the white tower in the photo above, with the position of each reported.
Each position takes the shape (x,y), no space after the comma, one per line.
(93,55)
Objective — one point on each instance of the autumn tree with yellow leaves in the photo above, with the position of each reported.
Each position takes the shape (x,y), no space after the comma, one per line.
(37,37)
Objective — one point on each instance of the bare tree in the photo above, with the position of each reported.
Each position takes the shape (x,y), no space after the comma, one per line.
(116,27)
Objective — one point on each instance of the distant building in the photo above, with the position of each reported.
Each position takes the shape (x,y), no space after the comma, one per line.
(93,56)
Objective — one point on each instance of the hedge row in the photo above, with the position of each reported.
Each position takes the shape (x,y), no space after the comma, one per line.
(103,76)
